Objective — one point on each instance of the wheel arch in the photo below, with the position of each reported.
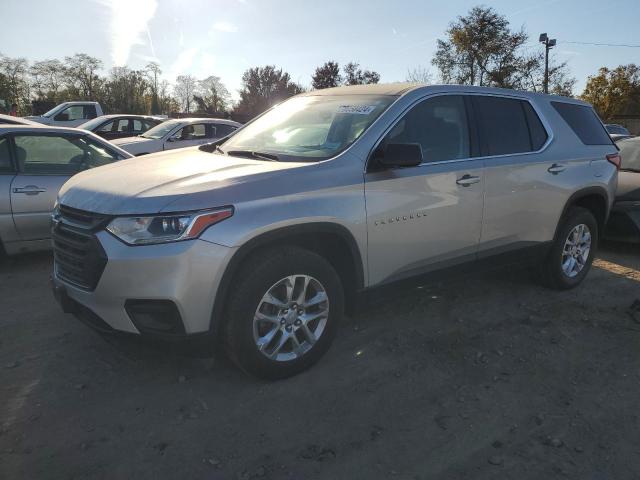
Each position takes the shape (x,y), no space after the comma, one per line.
(332,241)
(594,199)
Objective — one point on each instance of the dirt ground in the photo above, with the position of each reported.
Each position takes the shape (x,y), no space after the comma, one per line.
(483,377)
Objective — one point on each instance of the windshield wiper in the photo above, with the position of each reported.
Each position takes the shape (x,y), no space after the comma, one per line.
(251,154)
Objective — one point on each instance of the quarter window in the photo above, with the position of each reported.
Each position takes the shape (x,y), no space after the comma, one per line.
(584,122)
(438,125)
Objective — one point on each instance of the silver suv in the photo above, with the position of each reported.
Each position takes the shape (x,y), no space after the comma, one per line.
(264,239)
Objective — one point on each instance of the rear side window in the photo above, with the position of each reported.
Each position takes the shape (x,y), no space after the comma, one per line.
(584,122)
(508,126)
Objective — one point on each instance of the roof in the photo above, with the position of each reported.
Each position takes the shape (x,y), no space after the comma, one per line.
(130,115)
(187,121)
(16,120)
(398,89)
(37,127)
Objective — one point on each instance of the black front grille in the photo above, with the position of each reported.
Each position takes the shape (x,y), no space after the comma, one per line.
(79,257)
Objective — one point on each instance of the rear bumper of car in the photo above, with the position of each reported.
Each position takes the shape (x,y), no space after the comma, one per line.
(165,290)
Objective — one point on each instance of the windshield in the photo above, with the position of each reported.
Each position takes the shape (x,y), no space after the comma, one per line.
(630,153)
(54,110)
(310,128)
(92,124)
(161,130)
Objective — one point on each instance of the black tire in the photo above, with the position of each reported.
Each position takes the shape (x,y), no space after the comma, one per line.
(551,271)
(255,278)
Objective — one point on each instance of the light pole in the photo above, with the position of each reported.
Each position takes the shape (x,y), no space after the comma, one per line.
(549,43)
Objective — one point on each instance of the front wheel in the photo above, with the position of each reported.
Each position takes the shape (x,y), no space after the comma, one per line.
(573,250)
(283,312)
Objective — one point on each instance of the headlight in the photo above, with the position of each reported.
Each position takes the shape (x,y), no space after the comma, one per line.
(165,228)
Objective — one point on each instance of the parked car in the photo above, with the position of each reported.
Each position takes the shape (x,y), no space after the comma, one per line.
(11,120)
(34,163)
(69,114)
(617,132)
(178,133)
(111,127)
(624,223)
(263,240)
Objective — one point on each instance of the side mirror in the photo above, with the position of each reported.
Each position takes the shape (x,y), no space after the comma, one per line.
(400,155)
(62,117)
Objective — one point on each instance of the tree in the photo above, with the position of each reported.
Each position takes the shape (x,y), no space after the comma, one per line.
(263,87)
(612,91)
(184,89)
(326,76)
(82,78)
(419,74)
(15,84)
(48,78)
(354,76)
(126,90)
(153,72)
(212,95)
(481,49)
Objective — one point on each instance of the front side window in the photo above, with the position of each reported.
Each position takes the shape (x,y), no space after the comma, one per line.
(137,125)
(89,111)
(51,155)
(196,131)
(310,128)
(74,112)
(438,125)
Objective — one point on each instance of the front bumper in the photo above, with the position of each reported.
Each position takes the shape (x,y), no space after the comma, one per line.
(185,273)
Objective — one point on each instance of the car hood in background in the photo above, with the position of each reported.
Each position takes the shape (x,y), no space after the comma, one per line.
(170,181)
(131,140)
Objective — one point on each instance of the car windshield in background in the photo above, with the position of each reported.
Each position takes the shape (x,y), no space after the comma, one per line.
(161,130)
(617,130)
(91,124)
(630,154)
(310,128)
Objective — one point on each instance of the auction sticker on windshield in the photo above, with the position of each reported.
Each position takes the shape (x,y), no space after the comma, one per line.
(356,109)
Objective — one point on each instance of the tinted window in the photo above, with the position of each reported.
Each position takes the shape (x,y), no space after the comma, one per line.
(107,127)
(439,125)
(5,158)
(584,122)
(223,130)
(536,129)
(89,111)
(47,154)
(504,125)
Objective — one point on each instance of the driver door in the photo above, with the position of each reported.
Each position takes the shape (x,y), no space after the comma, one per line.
(190,136)
(45,162)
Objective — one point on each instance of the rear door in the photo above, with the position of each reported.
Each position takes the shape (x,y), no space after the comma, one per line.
(45,162)
(524,179)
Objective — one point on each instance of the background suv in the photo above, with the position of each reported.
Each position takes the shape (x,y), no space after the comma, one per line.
(263,240)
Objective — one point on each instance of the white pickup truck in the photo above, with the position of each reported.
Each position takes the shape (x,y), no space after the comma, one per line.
(69,114)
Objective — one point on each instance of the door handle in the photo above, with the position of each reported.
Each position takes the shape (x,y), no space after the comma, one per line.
(556,168)
(29,190)
(467,180)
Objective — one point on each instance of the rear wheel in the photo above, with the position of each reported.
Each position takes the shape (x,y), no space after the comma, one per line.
(283,312)
(573,250)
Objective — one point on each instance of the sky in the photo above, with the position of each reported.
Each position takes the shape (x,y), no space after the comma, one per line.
(225,37)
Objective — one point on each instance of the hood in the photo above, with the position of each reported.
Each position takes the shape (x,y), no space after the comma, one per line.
(188,178)
(628,186)
(130,140)
(39,119)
